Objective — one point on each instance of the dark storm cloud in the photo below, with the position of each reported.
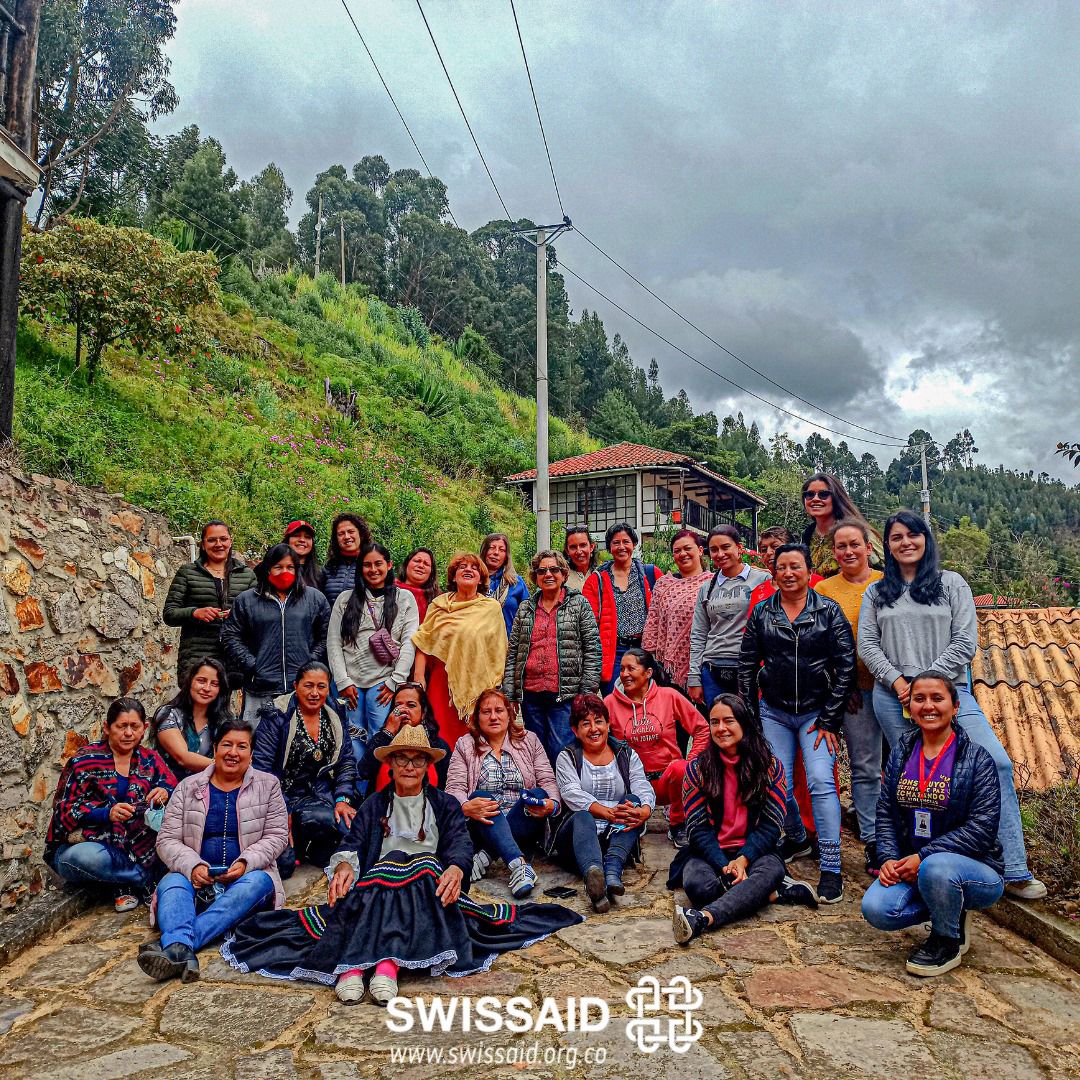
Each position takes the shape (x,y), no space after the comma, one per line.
(876,204)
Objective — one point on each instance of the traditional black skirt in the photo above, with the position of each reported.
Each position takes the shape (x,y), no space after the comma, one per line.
(392,913)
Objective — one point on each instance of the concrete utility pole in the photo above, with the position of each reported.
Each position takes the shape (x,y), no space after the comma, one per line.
(924,494)
(542,501)
(343,251)
(318,237)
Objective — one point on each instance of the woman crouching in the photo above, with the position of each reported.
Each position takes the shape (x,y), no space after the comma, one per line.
(397,896)
(937,826)
(735,801)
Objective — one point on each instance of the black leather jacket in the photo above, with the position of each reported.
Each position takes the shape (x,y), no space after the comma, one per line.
(799,667)
(969,822)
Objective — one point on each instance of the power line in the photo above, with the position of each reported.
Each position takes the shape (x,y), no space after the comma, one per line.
(461,109)
(393,102)
(725,349)
(536,104)
(719,375)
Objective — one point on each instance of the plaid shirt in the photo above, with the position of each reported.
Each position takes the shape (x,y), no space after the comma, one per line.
(542,666)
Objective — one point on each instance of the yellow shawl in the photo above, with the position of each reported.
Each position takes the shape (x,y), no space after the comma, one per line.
(469,637)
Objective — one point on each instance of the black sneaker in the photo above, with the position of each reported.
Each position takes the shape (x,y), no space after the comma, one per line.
(687,924)
(795,849)
(965,941)
(935,956)
(800,893)
(677,835)
(873,860)
(830,889)
(596,889)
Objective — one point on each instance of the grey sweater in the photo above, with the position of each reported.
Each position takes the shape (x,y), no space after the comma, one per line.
(355,665)
(723,605)
(908,637)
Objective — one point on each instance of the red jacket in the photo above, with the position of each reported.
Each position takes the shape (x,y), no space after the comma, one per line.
(649,727)
(600,592)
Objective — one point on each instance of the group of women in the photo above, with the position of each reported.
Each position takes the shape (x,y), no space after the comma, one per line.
(406,738)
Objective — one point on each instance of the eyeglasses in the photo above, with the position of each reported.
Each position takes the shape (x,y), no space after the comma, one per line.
(549,571)
(824,496)
(403,762)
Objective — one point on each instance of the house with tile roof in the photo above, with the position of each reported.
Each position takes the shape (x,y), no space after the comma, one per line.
(651,489)
(1026,678)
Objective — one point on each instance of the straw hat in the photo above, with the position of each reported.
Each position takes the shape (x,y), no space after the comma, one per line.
(410,738)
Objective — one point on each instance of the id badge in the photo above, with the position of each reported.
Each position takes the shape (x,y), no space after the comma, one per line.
(922,824)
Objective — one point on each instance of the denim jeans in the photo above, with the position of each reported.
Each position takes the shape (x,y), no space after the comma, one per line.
(890,716)
(580,847)
(705,889)
(862,733)
(548,719)
(716,680)
(512,835)
(947,885)
(90,861)
(253,703)
(368,718)
(787,732)
(176,908)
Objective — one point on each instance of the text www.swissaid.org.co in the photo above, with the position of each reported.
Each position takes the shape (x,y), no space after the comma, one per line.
(526,1054)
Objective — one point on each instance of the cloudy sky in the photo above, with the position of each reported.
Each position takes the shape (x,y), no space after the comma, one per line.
(876,204)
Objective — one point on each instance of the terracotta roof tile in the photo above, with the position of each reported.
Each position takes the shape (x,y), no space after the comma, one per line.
(1026,676)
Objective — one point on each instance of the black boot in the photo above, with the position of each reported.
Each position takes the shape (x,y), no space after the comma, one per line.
(191,971)
(613,869)
(162,964)
(596,889)
(936,955)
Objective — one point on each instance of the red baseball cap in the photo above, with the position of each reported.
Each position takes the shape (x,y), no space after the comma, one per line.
(296,526)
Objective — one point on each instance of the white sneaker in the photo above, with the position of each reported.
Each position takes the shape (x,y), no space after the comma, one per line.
(481,860)
(382,989)
(350,987)
(1032,889)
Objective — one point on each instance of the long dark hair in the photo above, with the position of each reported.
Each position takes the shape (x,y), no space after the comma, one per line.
(271,559)
(842,504)
(650,663)
(219,709)
(354,610)
(430,588)
(427,713)
(310,567)
(333,553)
(573,531)
(926,588)
(752,769)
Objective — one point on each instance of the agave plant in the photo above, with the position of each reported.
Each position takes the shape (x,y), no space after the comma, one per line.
(435,397)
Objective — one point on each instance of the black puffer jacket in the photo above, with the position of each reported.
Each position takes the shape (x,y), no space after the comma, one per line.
(577,643)
(969,822)
(268,640)
(195,587)
(809,665)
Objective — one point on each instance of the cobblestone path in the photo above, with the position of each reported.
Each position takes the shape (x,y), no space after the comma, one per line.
(787,994)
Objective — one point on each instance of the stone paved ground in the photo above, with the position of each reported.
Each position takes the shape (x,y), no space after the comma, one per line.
(788,994)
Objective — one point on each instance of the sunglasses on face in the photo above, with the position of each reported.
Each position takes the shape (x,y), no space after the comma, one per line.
(809,496)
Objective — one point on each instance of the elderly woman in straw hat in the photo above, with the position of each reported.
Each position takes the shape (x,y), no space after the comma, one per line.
(397,896)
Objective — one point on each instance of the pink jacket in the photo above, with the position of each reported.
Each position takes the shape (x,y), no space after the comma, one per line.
(649,726)
(463,776)
(261,815)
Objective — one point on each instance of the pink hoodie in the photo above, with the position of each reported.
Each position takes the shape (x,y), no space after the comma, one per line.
(649,727)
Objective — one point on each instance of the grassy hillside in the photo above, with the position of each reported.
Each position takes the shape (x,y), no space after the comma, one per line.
(247,433)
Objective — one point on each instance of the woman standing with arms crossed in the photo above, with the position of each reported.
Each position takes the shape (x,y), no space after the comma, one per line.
(460,646)
(619,593)
(799,652)
(201,595)
(920,617)
(674,600)
(851,550)
(720,613)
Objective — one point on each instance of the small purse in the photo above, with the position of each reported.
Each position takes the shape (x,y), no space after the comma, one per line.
(382,644)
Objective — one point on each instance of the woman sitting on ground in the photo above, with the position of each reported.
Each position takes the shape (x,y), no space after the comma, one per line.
(97,834)
(735,803)
(647,716)
(501,775)
(305,744)
(397,897)
(183,729)
(937,830)
(409,705)
(223,831)
(606,802)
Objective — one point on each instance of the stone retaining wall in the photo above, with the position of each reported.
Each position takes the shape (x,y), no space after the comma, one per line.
(83,576)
